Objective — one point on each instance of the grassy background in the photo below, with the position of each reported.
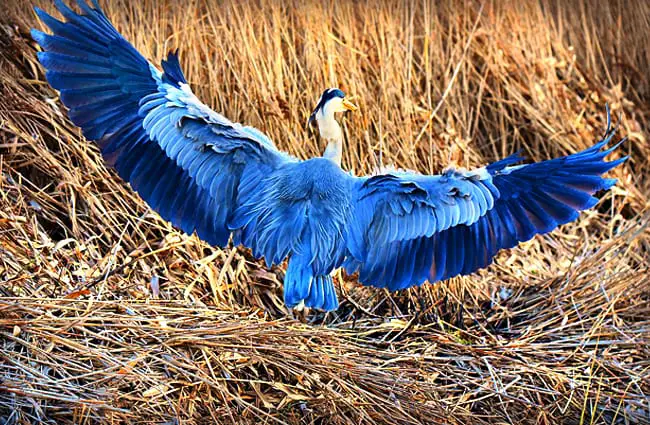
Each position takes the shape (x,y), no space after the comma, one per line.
(109,314)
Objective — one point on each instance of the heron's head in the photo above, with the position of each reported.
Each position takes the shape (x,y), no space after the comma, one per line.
(331,101)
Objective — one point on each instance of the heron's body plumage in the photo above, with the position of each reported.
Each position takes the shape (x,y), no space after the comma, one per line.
(220,179)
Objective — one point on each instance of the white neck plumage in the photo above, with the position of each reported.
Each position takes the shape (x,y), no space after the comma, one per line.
(334,151)
(331,132)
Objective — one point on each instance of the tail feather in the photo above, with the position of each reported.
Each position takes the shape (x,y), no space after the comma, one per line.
(297,282)
(302,287)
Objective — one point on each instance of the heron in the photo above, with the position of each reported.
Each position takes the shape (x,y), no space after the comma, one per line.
(228,183)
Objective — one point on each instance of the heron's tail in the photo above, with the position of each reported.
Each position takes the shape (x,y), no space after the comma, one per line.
(301,286)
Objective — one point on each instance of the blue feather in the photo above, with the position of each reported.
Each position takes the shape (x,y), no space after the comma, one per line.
(173,72)
(57,44)
(330,302)
(297,281)
(83,97)
(71,32)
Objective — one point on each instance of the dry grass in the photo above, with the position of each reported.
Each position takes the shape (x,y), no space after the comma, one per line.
(108,314)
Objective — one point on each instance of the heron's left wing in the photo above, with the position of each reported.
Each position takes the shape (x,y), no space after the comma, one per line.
(408,228)
(186,161)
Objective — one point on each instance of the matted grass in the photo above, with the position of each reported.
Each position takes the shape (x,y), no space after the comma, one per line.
(108,314)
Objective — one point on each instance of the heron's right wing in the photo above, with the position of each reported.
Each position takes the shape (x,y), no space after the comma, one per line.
(189,163)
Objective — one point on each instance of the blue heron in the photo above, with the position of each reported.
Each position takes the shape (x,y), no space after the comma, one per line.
(223,180)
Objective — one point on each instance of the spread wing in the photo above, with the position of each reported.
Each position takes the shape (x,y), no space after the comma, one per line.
(409,228)
(189,163)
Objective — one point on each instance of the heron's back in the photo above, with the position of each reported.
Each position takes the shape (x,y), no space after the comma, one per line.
(300,209)
(324,190)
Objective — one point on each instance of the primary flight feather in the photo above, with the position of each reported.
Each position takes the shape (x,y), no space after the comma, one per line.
(219,179)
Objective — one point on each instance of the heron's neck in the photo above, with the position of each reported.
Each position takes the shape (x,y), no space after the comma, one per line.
(334,151)
(330,131)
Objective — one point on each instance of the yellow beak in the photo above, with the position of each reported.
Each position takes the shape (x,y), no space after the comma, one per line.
(349,105)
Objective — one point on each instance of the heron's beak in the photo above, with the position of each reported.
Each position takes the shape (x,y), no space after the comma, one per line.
(349,106)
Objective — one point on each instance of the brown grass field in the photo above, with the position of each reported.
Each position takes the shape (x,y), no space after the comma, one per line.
(110,315)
